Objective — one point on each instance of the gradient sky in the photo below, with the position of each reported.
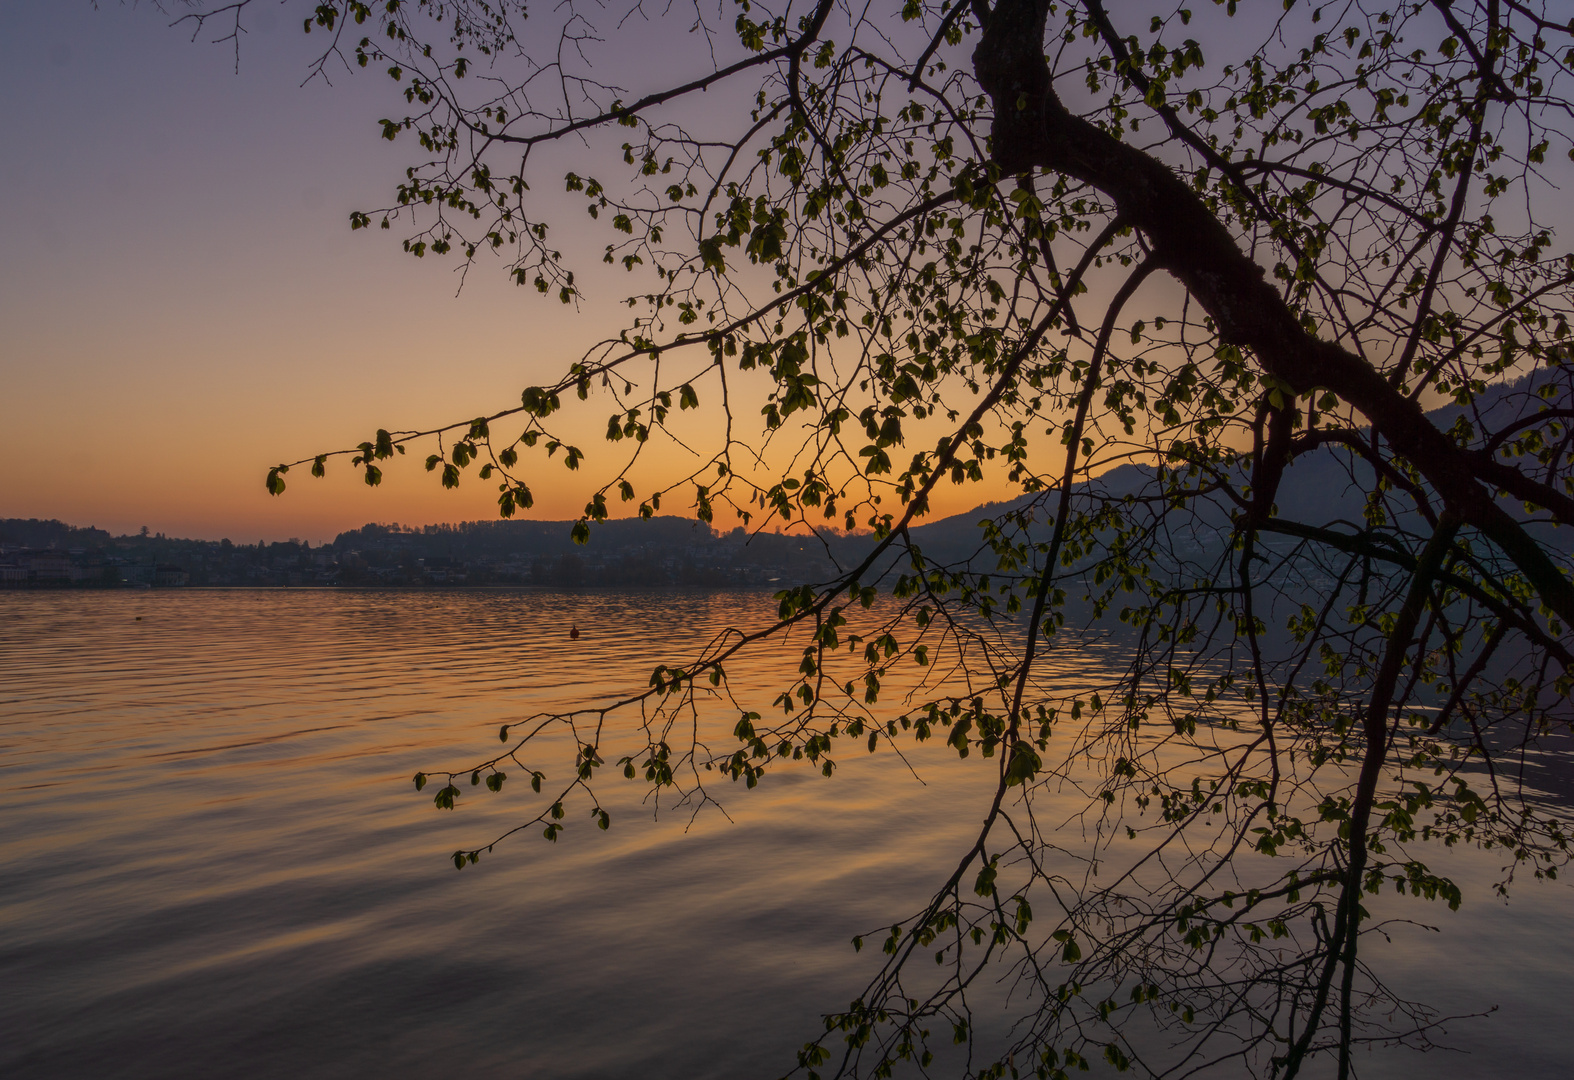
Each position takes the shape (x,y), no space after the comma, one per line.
(182,302)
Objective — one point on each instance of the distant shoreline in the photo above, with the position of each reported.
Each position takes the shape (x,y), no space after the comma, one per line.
(439,588)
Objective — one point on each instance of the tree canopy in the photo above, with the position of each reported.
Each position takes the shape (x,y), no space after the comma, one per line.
(1252,251)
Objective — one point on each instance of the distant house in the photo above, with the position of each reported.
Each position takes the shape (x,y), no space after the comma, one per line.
(170,575)
(48,566)
(13,575)
(89,568)
(438,569)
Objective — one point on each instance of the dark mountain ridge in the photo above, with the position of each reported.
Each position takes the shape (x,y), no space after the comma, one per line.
(1326,487)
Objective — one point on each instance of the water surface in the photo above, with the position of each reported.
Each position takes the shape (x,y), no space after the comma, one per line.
(216,863)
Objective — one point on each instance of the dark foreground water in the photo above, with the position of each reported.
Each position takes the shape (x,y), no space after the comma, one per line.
(212,861)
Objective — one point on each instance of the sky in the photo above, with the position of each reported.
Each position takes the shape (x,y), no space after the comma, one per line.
(183,304)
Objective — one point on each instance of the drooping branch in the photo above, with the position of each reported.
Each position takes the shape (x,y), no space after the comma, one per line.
(1375,721)
(1032,128)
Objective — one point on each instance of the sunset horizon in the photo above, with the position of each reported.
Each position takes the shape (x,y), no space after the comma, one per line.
(913,540)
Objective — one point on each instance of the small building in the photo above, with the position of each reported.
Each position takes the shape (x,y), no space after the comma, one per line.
(439,569)
(91,570)
(170,575)
(48,566)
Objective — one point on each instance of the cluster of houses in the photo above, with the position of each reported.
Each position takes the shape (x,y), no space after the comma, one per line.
(24,567)
(661,553)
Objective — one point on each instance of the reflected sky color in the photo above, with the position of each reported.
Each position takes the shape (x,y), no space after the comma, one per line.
(219,864)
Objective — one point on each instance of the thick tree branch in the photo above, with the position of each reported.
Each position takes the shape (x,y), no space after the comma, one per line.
(1033,129)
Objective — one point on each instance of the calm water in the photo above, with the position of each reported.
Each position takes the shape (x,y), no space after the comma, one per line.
(215,862)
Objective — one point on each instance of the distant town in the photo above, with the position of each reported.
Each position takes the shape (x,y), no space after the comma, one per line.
(662,552)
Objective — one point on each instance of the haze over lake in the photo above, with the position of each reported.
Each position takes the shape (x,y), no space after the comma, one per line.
(217,864)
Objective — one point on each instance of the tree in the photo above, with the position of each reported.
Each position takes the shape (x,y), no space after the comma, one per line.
(1034,240)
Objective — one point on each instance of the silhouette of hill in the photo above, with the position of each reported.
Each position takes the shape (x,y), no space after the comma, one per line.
(1326,487)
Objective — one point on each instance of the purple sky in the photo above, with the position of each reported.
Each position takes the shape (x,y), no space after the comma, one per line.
(182,302)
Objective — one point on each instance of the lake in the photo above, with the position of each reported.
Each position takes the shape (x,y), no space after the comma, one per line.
(216,862)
